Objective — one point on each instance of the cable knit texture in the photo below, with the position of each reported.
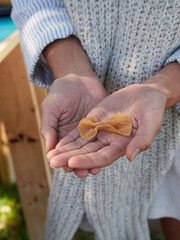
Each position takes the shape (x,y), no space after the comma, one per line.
(127,42)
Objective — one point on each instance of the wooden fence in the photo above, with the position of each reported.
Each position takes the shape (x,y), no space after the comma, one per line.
(20,117)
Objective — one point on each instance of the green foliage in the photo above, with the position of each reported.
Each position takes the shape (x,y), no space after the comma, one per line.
(81,235)
(12,225)
(155,230)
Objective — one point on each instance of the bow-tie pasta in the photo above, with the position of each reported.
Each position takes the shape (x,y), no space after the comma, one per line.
(119,123)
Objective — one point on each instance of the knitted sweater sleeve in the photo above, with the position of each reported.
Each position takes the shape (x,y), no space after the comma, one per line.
(174,57)
(40,22)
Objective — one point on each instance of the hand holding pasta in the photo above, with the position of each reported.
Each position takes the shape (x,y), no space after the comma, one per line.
(144,105)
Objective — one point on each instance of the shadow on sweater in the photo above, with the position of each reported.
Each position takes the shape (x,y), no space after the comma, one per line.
(155,230)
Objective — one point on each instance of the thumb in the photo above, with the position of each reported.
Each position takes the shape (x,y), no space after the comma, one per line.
(143,138)
(49,129)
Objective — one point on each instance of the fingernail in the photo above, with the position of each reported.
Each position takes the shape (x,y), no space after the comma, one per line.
(137,151)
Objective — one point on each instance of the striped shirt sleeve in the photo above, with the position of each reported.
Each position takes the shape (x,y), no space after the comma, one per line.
(40,22)
(174,57)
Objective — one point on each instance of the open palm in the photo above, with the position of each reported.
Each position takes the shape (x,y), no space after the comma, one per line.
(69,100)
(146,108)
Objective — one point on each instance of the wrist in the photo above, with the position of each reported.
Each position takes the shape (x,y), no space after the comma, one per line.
(167,81)
(66,57)
(156,84)
(87,86)
(90,83)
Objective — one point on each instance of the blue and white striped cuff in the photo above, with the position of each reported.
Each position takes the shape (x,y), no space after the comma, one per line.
(174,57)
(43,27)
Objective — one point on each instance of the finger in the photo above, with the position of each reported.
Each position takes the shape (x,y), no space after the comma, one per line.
(50,137)
(77,144)
(67,169)
(143,138)
(104,157)
(51,154)
(94,171)
(49,129)
(70,138)
(61,160)
(82,173)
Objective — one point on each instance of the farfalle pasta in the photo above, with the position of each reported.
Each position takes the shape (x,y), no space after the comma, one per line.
(119,123)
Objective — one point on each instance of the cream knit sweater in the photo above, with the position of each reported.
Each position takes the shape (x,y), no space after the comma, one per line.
(127,42)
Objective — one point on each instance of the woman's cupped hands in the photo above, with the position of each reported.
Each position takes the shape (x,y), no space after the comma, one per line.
(144,104)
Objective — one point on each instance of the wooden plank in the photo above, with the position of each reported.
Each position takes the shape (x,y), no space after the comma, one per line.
(4,155)
(21,116)
(5,2)
(7,174)
(40,94)
(8,45)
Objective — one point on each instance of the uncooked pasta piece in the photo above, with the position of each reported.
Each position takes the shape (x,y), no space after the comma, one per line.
(119,123)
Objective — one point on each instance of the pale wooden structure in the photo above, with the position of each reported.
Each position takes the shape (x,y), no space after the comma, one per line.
(5,2)
(19,111)
(7,174)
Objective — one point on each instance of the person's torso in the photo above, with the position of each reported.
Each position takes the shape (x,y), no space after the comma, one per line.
(126,41)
